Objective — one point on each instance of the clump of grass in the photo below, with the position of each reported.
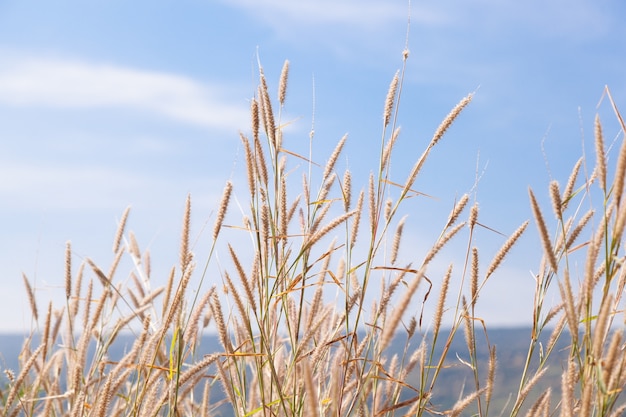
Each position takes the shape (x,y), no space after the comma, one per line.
(309,324)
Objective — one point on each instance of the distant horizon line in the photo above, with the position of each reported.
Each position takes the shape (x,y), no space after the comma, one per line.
(211,333)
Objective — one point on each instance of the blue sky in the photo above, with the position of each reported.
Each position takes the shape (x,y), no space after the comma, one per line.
(110,104)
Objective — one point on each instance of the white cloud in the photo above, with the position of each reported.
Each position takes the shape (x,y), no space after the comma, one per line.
(80,189)
(361,19)
(73,84)
(554,17)
(348,12)
(370,32)
(67,187)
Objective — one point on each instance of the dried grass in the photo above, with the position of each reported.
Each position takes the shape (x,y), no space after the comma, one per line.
(295,340)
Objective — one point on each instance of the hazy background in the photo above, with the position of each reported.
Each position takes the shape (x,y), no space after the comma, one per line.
(113,103)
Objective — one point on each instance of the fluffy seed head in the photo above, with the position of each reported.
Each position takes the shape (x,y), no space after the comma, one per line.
(357,219)
(620,173)
(282,86)
(330,226)
(571,315)
(442,300)
(222,210)
(390,328)
(458,209)
(396,240)
(330,165)
(372,204)
(497,260)
(600,156)
(269,122)
(473,218)
(120,230)
(543,231)
(347,190)
(555,195)
(254,110)
(491,374)
(441,130)
(579,227)
(388,148)
(442,242)
(250,165)
(68,270)
(451,117)
(391,96)
(284,221)
(469,328)
(474,276)
(261,166)
(184,242)
(571,182)
(31,297)
(133,246)
(388,207)
(464,403)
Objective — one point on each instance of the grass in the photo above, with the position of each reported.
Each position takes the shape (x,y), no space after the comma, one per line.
(309,322)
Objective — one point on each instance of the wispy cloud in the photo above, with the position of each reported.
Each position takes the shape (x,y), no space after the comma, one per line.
(361,32)
(555,17)
(324,12)
(74,84)
(72,187)
(69,187)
